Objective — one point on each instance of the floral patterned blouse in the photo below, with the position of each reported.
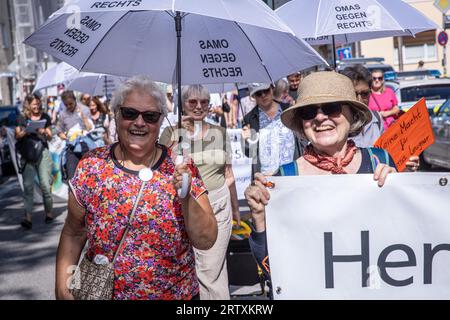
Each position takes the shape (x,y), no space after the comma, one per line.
(156,260)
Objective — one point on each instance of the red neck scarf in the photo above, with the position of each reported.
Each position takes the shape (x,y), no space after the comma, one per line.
(327,163)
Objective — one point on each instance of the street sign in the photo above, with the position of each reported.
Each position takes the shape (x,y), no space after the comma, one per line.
(344,53)
(442,5)
(442,38)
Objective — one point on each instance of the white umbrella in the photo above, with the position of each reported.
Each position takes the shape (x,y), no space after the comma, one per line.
(60,73)
(344,21)
(92,83)
(221,42)
(95,84)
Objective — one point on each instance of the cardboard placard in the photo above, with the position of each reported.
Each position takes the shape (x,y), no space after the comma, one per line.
(408,136)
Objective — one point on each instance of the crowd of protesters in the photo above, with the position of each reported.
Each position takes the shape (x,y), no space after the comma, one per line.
(176,247)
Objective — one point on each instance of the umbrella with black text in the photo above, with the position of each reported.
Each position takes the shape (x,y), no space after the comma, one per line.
(344,21)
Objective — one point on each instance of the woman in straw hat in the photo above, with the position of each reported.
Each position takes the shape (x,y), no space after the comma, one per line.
(328,114)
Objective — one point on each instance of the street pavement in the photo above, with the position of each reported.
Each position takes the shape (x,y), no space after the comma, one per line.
(27,258)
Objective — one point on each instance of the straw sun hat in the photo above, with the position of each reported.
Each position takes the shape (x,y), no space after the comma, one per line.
(325,87)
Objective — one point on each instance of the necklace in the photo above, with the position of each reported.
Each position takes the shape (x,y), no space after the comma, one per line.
(145,174)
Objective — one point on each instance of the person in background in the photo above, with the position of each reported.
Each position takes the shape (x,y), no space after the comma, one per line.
(383,99)
(85,99)
(361,79)
(210,150)
(421,65)
(281,92)
(156,261)
(266,140)
(42,168)
(100,118)
(294,80)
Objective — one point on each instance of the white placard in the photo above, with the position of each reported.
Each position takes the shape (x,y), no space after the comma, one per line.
(398,237)
(242,166)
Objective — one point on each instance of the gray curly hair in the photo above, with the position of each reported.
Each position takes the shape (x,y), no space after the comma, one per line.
(141,84)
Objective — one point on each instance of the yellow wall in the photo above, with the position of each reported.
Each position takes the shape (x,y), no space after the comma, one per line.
(385,47)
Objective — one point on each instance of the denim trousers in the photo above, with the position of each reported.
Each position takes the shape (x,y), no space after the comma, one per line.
(43,169)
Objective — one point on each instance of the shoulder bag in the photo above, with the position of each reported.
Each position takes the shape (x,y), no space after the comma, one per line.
(93,281)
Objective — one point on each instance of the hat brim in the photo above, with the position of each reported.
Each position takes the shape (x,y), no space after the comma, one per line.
(288,115)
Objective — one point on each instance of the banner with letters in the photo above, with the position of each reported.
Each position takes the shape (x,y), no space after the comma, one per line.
(343,237)
(242,166)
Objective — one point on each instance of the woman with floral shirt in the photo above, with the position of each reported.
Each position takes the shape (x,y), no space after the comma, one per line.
(156,260)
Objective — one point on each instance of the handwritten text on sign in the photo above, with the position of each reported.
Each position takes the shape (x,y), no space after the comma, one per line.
(217,63)
(409,135)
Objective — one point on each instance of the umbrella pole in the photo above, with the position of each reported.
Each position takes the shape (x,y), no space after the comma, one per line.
(106,88)
(178,72)
(334,52)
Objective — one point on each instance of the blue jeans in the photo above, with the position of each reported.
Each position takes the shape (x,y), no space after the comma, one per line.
(43,169)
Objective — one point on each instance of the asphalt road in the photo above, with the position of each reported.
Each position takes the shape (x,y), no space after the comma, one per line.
(27,258)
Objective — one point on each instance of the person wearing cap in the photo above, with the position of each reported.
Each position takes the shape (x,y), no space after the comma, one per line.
(266,140)
(328,114)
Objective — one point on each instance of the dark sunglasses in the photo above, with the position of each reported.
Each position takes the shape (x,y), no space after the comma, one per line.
(262,92)
(132,114)
(377,78)
(194,102)
(310,112)
(363,94)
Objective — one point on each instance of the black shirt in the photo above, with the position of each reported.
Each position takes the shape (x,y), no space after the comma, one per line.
(22,121)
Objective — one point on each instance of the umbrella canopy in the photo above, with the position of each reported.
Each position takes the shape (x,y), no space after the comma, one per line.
(92,83)
(317,21)
(220,41)
(95,84)
(60,73)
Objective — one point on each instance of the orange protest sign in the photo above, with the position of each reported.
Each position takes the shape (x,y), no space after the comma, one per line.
(409,135)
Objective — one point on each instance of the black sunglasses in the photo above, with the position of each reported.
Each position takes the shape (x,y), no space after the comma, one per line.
(377,78)
(132,114)
(310,112)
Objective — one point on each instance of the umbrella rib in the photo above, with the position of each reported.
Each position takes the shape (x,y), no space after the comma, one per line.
(256,51)
(317,19)
(104,36)
(389,14)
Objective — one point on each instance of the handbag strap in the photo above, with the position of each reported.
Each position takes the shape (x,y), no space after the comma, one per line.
(129,221)
(376,101)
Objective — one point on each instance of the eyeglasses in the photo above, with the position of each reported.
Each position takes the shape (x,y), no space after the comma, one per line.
(377,78)
(132,114)
(363,94)
(204,103)
(262,92)
(329,109)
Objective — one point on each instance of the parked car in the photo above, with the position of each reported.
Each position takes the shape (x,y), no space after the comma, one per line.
(8,116)
(412,75)
(369,63)
(438,154)
(435,91)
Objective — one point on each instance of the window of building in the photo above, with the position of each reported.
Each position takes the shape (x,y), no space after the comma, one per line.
(422,47)
(412,54)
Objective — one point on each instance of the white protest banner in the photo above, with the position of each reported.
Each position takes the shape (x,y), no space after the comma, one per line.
(343,237)
(242,166)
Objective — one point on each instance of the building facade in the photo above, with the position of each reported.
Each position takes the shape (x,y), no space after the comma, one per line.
(6,55)
(422,47)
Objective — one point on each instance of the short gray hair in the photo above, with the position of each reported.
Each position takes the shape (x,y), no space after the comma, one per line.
(142,84)
(194,89)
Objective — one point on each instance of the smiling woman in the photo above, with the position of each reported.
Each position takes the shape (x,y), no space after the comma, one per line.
(327,114)
(144,214)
